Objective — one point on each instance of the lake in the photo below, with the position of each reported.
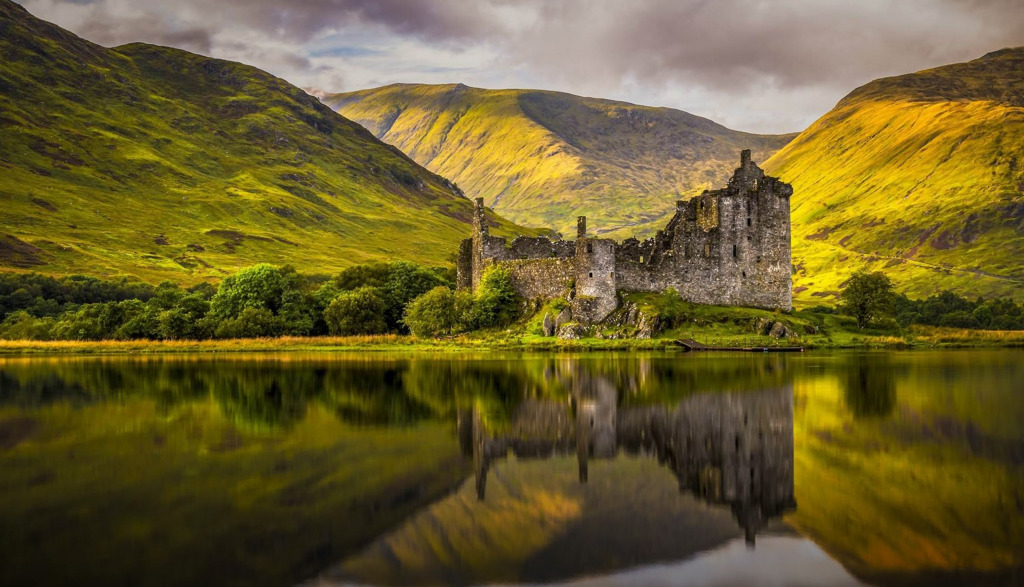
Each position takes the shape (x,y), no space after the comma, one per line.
(845,468)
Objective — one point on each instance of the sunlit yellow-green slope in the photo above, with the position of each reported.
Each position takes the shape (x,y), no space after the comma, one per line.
(541,158)
(158,163)
(920,176)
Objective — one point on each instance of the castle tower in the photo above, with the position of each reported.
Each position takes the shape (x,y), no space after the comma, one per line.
(479,219)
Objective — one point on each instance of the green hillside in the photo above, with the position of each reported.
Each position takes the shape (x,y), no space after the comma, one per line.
(920,176)
(159,163)
(542,158)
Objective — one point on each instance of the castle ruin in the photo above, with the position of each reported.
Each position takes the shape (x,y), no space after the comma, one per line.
(729,246)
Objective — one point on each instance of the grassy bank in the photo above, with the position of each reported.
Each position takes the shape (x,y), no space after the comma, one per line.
(384,343)
(717,334)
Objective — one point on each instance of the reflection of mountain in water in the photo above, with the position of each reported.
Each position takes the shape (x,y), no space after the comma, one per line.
(733,449)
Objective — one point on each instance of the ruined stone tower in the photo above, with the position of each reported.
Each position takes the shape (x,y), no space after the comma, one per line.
(729,246)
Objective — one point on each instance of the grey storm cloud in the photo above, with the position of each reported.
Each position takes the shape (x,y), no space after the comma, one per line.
(104,30)
(782,56)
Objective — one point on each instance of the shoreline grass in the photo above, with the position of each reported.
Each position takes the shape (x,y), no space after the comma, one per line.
(917,337)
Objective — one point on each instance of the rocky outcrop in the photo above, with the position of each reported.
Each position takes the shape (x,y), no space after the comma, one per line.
(572,331)
(548,325)
(772,328)
(647,326)
(563,318)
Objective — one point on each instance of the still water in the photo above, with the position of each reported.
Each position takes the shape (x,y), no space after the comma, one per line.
(881,468)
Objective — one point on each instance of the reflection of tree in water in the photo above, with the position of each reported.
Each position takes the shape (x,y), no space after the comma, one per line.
(264,394)
(870,386)
(261,398)
(369,394)
(32,392)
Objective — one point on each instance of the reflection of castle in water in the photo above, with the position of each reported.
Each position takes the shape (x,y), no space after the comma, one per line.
(733,449)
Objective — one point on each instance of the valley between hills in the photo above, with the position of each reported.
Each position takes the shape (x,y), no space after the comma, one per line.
(159,164)
(916,175)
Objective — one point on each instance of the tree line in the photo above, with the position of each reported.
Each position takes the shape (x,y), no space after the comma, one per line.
(375,298)
(870,298)
(258,301)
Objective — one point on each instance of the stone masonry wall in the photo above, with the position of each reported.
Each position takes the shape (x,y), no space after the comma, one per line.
(729,246)
(541,278)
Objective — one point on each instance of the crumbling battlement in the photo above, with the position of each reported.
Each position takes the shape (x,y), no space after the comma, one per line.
(729,246)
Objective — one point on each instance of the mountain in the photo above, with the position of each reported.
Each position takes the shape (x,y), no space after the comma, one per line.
(163,164)
(920,176)
(542,158)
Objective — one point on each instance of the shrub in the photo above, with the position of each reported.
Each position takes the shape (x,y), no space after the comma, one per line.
(83,324)
(174,324)
(251,323)
(140,321)
(497,303)
(440,311)
(360,311)
(959,319)
(670,307)
(21,325)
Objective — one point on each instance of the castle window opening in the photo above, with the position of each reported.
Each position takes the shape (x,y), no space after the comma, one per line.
(590,248)
(749,222)
(641,259)
(734,251)
(591,273)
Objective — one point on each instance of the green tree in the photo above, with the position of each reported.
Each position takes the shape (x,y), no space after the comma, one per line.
(251,322)
(297,313)
(259,286)
(868,297)
(360,311)
(82,324)
(21,325)
(140,320)
(174,324)
(497,303)
(368,274)
(433,313)
(406,282)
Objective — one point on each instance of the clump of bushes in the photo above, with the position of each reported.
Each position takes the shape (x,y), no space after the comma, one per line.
(442,311)
(258,301)
(359,311)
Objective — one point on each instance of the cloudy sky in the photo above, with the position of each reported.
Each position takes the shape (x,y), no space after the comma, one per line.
(755,65)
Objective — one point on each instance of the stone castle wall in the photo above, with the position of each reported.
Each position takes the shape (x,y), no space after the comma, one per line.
(729,246)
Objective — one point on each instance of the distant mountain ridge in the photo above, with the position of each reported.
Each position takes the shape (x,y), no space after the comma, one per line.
(918,175)
(158,163)
(541,158)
